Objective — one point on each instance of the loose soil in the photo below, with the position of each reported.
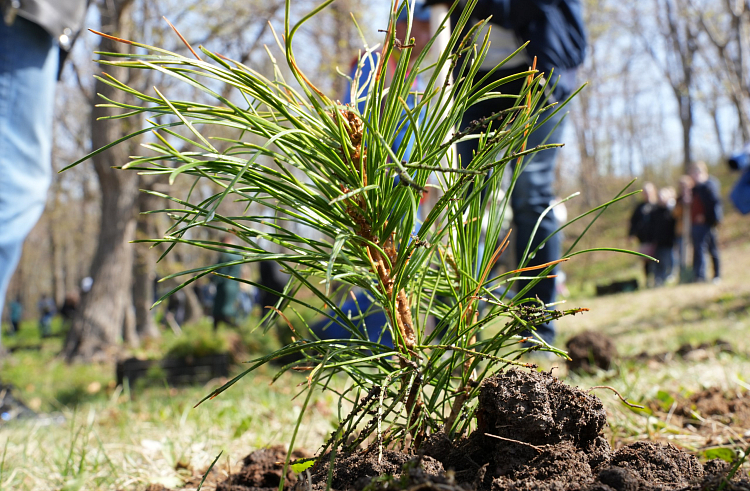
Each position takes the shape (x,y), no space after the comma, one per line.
(721,417)
(689,352)
(589,351)
(262,471)
(533,433)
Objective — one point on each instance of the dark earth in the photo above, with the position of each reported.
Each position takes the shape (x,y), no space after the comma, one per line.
(721,417)
(533,433)
(589,351)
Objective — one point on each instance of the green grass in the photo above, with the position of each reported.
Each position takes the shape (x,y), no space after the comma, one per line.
(114,440)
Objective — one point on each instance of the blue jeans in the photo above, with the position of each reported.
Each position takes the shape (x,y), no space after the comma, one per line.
(532,194)
(374,323)
(665,266)
(704,237)
(29,60)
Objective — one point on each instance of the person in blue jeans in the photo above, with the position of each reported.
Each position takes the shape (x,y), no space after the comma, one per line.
(33,34)
(664,236)
(705,214)
(557,39)
(366,315)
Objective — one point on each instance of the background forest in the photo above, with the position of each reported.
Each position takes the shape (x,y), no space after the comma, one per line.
(667,83)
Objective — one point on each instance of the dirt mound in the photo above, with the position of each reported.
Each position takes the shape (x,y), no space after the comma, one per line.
(713,402)
(537,408)
(590,350)
(533,432)
(261,471)
(721,418)
(358,470)
(659,464)
(550,439)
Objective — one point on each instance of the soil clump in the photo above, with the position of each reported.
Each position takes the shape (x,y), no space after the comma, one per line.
(533,433)
(715,404)
(721,417)
(262,471)
(589,351)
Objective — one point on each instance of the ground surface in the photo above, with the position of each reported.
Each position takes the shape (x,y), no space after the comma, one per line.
(102,437)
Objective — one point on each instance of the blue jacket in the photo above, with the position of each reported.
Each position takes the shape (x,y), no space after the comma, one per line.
(710,197)
(554,29)
(365,76)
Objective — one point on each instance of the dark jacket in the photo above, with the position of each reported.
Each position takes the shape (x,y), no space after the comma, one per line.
(554,29)
(641,223)
(62,19)
(663,226)
(708,194)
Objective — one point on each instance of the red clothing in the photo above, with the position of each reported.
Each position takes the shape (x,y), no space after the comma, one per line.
(697,211)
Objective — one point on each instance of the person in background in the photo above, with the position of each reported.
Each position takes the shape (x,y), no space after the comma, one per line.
(642,229)
(705,214)
(363,312)
(557,40)
(420,33)
(69,308)
(681,214)
(47,310)
(664,235)
(35,36)
(227,290)
(16,314)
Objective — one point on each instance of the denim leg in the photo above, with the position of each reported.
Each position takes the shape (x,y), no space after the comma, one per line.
(713,251)
(665,265)
(29,59)
(699,233)
(532,194)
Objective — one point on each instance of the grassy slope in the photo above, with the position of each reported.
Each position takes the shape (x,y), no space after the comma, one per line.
(103,437)
(661,320)
(109,440)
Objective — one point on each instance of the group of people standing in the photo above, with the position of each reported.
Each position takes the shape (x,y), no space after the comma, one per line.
(667,221)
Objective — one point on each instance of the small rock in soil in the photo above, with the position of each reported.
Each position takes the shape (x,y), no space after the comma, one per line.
(619,479)
(589,351)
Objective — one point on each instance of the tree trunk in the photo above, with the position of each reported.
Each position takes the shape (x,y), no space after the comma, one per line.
(57,256)
(144,271)
(104,310)
(193,308)
(685,104)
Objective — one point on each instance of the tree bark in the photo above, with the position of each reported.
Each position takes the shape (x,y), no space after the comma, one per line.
(144,271)
(193,308)
(102,316)
(57,255)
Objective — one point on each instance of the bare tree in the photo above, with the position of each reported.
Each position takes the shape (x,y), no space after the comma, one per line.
(677,62)
(725,28)
(106,311)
